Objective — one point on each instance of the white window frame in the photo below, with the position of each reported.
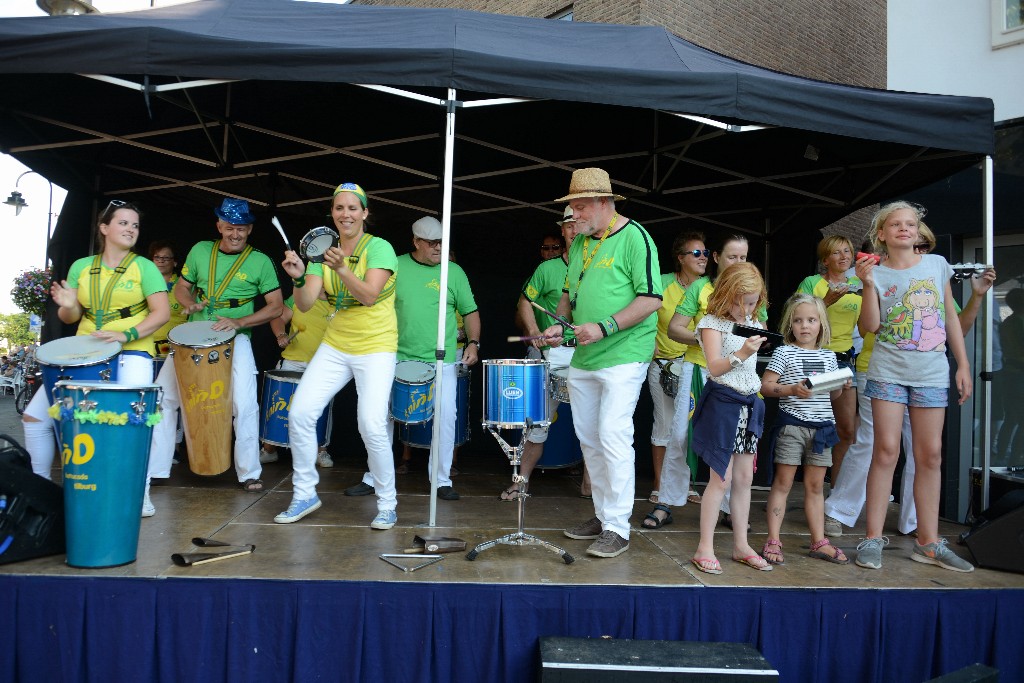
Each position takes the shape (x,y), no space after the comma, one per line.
(1002,36)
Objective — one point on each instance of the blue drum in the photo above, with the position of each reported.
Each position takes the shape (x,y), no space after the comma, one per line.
(158,365)
(105,432)
(81,358)
(562,448)
(515,390)
(278,389)
(420,435)
(412,393)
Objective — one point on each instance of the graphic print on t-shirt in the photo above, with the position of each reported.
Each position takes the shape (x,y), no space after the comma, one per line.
(916,321)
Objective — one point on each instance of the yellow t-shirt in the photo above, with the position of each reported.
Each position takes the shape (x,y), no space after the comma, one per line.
(177,318)
(357,329)
(842,315)
(312,325)
(671,295)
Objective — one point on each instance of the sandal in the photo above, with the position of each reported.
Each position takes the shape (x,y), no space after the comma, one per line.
(402,469)
(693,497)
(772,550)
(708,565)
(252,485)
(509,494)
(818,554)
(653,498)
(754,561)
(658,521)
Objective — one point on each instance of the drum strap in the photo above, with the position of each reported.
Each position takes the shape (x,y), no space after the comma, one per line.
(342,297)
(100,304)
(218,290)
(122,313)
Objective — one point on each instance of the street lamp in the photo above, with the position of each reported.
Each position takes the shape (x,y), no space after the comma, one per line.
(18,202)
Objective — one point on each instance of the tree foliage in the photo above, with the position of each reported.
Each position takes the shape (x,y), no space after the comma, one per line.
(14,329)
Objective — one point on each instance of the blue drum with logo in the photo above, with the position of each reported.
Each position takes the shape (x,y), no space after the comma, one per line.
(105,432)
(81,358)
(515,390)
(412,393)
(278,389)
(420,435)
(562,448)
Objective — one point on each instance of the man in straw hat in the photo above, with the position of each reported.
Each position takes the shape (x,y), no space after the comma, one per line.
(239,274)
(612,292)
(545,289)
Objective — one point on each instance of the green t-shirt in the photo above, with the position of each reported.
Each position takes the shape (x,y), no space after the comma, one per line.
(842,315)
(545,289)
(255,277)
(416,298)
(623,268)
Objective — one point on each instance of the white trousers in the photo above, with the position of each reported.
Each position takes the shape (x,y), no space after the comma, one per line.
(134,369)
(244,408)
(675,473)
(558,358)
(603,402)
(327,374)
(664,406)
(847,499)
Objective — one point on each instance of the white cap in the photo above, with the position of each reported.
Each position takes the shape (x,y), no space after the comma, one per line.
(566,216)
(427,228)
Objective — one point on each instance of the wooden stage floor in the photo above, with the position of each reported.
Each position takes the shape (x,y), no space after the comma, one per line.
(336,543)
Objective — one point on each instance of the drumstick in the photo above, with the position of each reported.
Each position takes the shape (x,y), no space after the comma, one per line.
(524,339)
(193,559)
(293,335)
(277,224)
(558,318)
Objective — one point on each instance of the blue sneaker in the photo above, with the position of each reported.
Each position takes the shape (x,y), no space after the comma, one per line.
(297,510)
(869,552)
(385,519)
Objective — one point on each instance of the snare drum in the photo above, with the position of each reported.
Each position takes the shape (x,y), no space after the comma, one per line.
(278,390)
(202,365)
(515,390)
(79,358)
(412,393)
(670,373)
(420,435)
(559,386)
(316,242)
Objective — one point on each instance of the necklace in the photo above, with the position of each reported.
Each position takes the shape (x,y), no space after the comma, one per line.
(588,257)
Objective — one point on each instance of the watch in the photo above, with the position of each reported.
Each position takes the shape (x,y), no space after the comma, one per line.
(735,360)
(475,341)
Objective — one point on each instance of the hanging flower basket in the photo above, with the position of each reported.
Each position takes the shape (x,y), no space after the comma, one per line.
(32,290)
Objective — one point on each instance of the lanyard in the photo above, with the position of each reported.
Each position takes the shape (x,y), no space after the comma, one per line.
(108,291)
(588,257)
(341,296)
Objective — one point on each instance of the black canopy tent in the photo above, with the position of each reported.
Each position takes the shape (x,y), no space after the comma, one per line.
(123,105)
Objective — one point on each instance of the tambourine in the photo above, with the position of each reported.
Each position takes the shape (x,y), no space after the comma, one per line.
(316,242)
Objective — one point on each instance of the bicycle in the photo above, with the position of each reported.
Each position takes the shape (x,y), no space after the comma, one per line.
(31,379)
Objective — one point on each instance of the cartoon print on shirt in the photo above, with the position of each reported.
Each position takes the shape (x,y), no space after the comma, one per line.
(917,322)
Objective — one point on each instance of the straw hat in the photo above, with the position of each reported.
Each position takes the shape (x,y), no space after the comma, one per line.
(589,182)
(566,217)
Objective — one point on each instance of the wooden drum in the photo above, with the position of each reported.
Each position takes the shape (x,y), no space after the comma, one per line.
(202,365)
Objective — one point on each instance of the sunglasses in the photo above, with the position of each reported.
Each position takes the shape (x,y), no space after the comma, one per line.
(551,247)
(925,247)
(163,258)
(699,252)
(430,243)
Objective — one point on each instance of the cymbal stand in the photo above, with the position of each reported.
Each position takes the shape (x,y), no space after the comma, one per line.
(519,537)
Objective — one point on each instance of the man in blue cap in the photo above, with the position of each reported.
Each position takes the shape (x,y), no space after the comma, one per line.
(239,274)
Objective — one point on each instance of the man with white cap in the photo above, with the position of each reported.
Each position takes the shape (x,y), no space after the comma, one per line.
(417,284)
(612,292)
(545,289)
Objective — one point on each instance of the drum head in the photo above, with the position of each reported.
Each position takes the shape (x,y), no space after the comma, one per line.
(199,335)
(316,242)
(79,350)
(291,376)
(414,372)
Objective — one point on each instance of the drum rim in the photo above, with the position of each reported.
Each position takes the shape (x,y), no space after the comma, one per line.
(418,383)
(312,235)
(203,323)
(273,373)
(515,361)
(101,346)
(93,385)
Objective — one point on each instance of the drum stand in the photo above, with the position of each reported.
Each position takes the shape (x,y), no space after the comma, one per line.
(520,537)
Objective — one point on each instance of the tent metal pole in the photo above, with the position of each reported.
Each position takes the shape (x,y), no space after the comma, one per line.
(442,296)
(987,312)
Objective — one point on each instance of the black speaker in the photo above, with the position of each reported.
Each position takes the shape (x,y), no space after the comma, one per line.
(997,541)
(32,510)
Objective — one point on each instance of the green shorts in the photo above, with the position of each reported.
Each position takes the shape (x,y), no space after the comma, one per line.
(794,446)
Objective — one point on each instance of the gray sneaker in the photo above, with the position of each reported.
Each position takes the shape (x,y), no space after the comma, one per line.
(869,552)
(588,530)
(938,553)
(608,544)
(833,527)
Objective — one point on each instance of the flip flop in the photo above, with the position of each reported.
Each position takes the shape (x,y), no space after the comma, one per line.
(252,485)
(752,562)
(715,567)
(658,522)
(693,497)
(508,495)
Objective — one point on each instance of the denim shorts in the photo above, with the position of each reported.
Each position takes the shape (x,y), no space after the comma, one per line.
(915,397)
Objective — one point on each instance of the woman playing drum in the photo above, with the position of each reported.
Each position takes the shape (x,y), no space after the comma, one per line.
(361,343)
(115,296)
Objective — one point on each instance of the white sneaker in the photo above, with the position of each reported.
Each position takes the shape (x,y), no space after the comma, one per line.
(323,459)
(267,457)
(147,505)
(833,527)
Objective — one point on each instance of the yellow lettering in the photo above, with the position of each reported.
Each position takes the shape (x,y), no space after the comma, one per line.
(217,389)
(83,449)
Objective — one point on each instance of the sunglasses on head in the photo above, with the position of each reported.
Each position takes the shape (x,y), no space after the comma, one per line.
(699,252)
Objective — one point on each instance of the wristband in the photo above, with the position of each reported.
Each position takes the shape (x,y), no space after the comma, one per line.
(300,281)
(604,330)
(281,335)
(131,335)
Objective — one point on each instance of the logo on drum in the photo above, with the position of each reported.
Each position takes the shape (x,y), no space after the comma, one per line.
(279,403)
(512,392)
(419,401)
(197,395)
